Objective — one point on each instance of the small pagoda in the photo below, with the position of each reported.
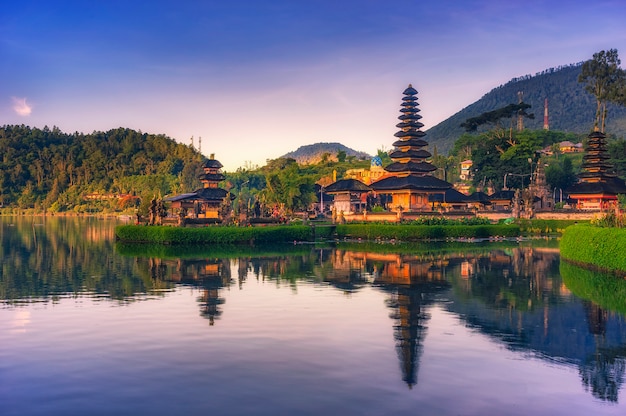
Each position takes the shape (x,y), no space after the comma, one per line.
(597,186)
(408,179)
(207,203)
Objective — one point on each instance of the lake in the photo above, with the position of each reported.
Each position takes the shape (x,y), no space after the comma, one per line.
(89,326)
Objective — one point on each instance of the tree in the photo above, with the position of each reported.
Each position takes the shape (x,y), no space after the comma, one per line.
(560,175)
(604,79)
(494,117)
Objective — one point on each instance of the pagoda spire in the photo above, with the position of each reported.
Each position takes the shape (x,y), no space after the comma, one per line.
(409,156)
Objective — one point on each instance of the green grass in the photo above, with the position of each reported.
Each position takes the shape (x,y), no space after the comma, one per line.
(212,235)
(290,233)
(546,227)
(601,247)
(404,232)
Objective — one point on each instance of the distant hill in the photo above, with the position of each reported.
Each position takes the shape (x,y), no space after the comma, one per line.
(571,108)
(314,153)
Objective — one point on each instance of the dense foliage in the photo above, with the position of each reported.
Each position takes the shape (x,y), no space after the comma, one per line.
(51,170)
(501,152)
(598,246)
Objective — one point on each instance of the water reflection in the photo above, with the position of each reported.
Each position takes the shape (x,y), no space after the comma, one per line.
(520,296)
(46,258)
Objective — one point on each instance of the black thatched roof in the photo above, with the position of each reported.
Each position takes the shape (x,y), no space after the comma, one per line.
(204,194)
(479,197)
(180,197)
(612,186)
(347,185)
(417,167)
(414,182)
(410,90)
(418,154)
(507,195)
(450,196)
(212,163)
(212,177)
(410,124)
(411,142)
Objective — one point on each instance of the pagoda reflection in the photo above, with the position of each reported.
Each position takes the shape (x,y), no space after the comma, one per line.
(412,283)
(208,275)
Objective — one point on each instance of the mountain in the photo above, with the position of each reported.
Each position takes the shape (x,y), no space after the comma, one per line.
(571,108)
(314,153)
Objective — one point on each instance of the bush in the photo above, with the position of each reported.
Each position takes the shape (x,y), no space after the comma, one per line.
(600,247)
(212,235)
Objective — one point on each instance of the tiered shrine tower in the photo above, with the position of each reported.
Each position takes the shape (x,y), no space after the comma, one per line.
(597,186)
(409,180)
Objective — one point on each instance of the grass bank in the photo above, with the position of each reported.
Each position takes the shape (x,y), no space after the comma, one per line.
(408,232)
(215,235)
(284,233)
(546,227)
(599,247)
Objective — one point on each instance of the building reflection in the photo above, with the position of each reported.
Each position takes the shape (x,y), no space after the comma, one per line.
(208,275)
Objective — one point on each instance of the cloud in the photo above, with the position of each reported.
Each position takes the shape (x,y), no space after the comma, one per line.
(21,107)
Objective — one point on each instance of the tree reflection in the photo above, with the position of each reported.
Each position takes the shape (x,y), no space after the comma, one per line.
(46,258)
(208,275)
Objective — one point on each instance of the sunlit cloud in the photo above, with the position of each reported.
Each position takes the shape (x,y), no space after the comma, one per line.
(21,107)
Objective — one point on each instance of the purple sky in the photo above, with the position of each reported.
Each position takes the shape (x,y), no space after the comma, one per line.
(258,78)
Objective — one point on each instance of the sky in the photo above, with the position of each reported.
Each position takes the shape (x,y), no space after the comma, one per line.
(255,79)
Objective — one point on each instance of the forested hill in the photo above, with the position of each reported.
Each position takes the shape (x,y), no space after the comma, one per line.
(571,108)
(317,152)
(49,169)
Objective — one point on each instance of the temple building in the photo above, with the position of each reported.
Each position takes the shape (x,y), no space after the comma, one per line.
(349,195)
(209,202)
(409,180)
(597,186)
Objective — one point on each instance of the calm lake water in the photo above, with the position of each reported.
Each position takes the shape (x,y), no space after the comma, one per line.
(91,327)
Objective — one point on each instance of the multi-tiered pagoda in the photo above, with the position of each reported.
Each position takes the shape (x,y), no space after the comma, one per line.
(597,186)
(409,180)
(208,201)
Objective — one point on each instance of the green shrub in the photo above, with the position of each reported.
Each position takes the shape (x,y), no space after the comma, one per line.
(600,247)
(212,235)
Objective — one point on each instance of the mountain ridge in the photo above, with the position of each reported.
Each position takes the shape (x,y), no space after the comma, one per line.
(570,107)
(316,152)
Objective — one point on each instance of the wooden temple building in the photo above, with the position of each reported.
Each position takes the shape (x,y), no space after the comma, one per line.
(408,179)
(597,186)
(207,204)
(350,195)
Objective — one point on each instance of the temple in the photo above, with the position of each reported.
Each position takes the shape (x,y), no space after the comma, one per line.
(597,186)
(209,203)
(409,180)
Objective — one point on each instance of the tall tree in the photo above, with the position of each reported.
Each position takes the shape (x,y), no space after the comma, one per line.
(604,79)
